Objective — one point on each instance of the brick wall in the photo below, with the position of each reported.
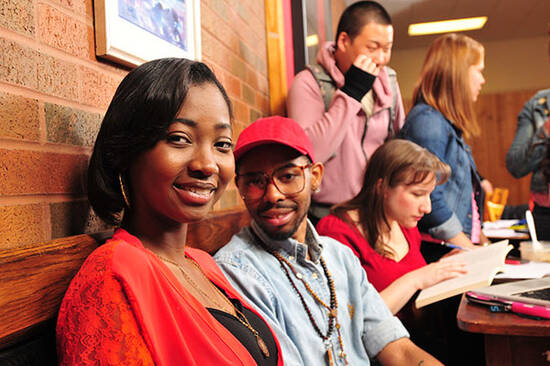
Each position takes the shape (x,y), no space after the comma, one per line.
(54,92)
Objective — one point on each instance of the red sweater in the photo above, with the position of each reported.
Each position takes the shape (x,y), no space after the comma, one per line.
(381,271)
(125,307)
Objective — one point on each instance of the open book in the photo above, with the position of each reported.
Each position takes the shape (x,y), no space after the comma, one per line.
(482,264)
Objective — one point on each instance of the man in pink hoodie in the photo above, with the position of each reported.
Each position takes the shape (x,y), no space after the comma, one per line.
(349,103)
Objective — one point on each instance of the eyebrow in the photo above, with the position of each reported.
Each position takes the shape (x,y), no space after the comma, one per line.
(287,165)
(191,123)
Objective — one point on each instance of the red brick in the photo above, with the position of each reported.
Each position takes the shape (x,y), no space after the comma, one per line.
(263,85)
(248,95)
(252,78)
(17,16)
(21,226)
(222,55)
(207,45)
(246,53)
(233,86)
(59,30)
(240,111)
(258,7)
(57,77)
(32,172)
(18,64)
(98,87)
(254,115)
(208,21)
(262,103)
(19,117)
(80,7)
(220,7)
(238,68)
(71,126)
(238,127)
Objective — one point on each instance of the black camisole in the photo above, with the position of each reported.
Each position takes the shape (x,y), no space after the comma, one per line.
(246,337)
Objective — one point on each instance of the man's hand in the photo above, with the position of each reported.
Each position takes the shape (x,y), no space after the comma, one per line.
(366,64)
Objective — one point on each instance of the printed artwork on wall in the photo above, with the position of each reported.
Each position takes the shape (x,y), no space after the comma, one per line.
(135,31)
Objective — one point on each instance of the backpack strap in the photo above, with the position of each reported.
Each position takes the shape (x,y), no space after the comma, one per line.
(325,82)
(392,125)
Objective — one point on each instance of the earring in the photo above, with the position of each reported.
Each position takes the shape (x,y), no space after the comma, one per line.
(123,190)
(317,190)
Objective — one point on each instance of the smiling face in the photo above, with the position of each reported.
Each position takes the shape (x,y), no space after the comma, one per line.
(408,203)
(475,76)
(375,41)
(280,215)
(184,174)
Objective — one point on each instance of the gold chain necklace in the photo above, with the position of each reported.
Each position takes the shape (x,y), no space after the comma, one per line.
(240,315)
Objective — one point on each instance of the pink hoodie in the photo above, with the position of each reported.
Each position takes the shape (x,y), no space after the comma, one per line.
(337,135)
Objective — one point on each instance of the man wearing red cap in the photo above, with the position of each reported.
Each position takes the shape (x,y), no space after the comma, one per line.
(311,289)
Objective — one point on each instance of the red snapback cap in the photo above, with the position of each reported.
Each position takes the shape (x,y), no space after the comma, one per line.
(274,130)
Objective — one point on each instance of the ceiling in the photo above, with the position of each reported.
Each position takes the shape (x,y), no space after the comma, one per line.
(508,19)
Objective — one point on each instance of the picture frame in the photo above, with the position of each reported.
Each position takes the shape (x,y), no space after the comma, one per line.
(132,32)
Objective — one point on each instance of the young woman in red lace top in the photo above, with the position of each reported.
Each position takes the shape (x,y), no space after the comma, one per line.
(379,224)
(161,160)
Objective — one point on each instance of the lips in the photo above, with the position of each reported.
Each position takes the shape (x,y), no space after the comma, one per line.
(277,217)
(195,193)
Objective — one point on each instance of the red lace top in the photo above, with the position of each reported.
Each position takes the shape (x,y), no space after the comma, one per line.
(381,271)
(125,307)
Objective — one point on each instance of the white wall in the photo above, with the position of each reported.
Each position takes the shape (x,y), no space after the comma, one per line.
(517,64)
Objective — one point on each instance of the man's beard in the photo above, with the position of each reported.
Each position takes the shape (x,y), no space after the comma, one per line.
(285,234)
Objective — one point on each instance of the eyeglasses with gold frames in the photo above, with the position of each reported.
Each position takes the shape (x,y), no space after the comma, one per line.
(288,180)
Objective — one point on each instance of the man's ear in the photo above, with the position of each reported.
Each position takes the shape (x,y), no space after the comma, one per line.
(317,170)
(343,41)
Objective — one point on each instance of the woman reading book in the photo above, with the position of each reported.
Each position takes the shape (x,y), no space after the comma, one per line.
(380,223)
(380,226)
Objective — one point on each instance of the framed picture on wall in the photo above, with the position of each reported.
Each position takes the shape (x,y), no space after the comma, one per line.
(132,32)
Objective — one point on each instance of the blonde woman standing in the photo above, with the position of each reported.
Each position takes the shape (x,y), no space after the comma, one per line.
(443,114)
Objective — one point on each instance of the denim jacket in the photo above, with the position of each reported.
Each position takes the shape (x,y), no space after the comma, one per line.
(451,201)
(530,142)
(367,325)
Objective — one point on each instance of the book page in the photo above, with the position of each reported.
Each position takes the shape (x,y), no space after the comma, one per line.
(482,265)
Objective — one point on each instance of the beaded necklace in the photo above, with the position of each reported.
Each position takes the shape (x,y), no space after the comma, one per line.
(332,308)
(240,315)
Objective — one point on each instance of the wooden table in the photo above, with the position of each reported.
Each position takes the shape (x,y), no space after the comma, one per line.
(509,339)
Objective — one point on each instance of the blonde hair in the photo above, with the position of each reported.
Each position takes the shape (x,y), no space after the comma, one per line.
(395,162)
(444,81)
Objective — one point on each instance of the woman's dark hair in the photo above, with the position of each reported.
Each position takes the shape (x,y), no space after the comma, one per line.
(393,163)
(359,14)
(143,107)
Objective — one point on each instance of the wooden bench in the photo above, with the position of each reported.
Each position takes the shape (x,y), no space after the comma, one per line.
(34,280)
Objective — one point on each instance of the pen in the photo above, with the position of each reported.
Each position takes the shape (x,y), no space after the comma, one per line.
(453,246)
